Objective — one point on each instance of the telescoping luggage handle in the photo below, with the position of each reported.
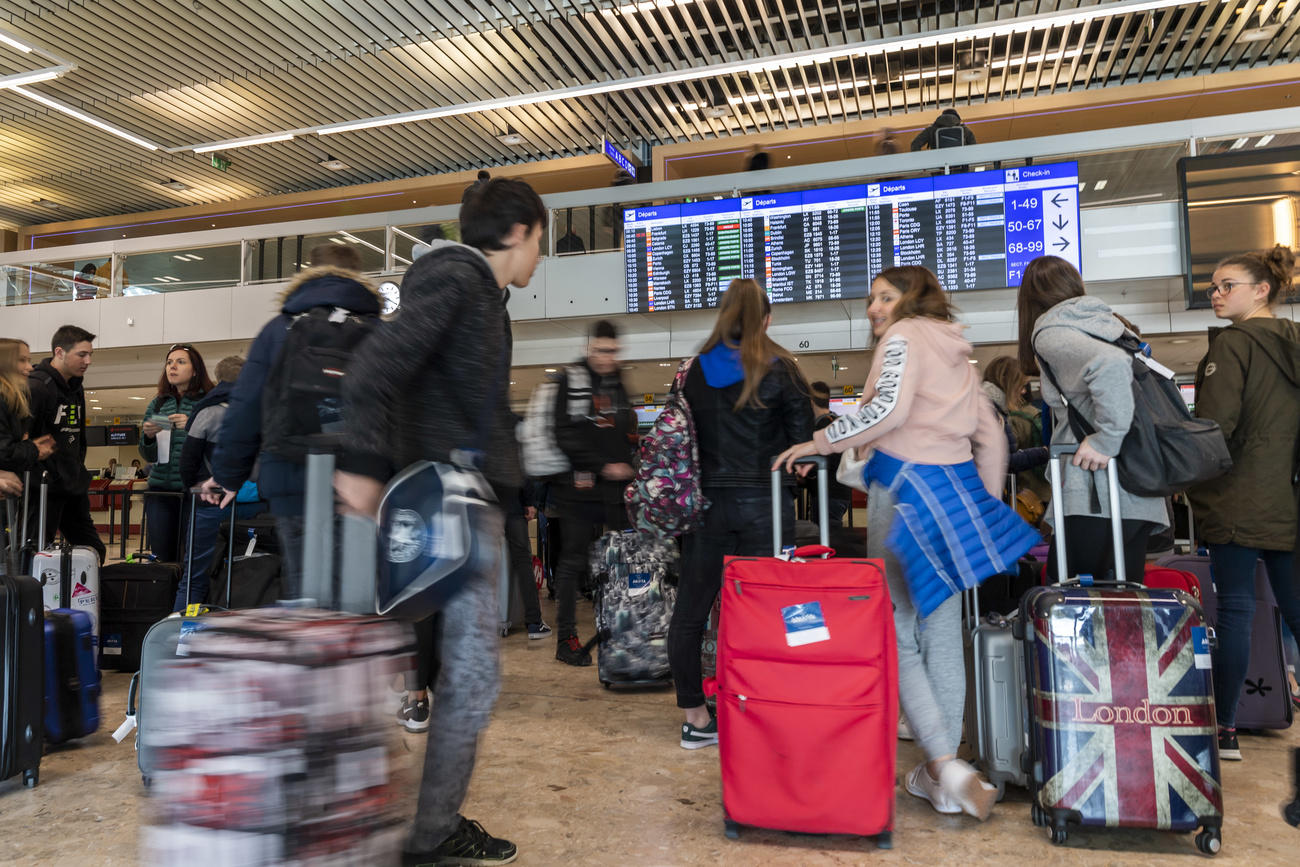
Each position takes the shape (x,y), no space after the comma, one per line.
(359,546)
(1059,451)
(823,502)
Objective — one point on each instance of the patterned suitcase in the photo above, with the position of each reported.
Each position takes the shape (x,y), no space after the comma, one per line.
(634,605)
(807,690)
(1122,725)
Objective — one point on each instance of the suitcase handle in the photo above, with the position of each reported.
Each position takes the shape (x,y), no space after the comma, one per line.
(1057,452)
(823,502)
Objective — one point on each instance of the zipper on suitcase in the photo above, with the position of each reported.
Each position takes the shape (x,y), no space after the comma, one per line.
(742,699)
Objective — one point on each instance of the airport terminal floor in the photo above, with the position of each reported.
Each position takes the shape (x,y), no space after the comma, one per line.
(577,774)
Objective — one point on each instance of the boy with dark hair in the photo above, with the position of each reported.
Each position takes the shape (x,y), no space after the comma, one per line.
(431,383)
(58,406)
(595,427)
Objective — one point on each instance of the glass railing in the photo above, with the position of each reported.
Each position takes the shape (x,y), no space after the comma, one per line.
(1125,166)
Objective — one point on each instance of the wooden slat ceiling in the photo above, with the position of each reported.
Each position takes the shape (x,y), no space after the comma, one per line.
(180,73)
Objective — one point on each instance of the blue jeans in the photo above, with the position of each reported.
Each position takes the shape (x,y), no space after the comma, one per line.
(1234,584)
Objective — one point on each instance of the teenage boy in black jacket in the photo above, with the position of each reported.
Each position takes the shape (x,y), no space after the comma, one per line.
(597,439)
(58,406)
(432,382)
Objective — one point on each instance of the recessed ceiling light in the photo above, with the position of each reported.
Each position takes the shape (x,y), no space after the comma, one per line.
(510,137)
(717,111)
(550,370)
(1100,185)
(512,382)
(1258,34)
(970,76)
(171,184)
(333,164)
(665,364)
(1264,139)
(972,361)
(133,397)
(46,203)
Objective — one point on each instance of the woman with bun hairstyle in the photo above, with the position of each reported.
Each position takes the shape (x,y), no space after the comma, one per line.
(1249,382)
(935,474)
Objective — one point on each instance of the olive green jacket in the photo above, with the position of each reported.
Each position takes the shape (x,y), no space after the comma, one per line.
(1249,382)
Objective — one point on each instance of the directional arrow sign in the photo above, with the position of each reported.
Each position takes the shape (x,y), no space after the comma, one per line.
(1060,223)
(1060,244)
(1058,201)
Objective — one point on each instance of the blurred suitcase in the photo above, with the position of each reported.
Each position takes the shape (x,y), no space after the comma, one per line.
(71,676)
(807,688)
(134,597)
(636,573)
(1122,725)
(1266,698)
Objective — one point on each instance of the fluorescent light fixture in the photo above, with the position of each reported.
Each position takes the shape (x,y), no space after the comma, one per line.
(1264,140)
(11,81)
(1082,185)
(1284,222)
(14,43)
(84,118)
(172,184)
(550,370)
(1238,144)
(1099,186)
(182,258)
(510,137)
(195,257)
(244,142)
(133,397)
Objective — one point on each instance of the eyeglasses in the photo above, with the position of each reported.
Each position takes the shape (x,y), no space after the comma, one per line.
(1226,287)
(176,346)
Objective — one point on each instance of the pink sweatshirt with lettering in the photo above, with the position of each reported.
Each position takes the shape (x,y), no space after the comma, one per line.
(923,403)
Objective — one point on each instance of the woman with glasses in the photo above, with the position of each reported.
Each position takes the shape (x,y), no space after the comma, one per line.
(1249,382)
(183,383)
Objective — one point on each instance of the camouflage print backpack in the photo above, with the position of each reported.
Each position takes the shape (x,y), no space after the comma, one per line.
(637,575)
(665,496)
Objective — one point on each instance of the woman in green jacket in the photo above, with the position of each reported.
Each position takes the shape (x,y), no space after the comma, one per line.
(1249,382)
(183,383)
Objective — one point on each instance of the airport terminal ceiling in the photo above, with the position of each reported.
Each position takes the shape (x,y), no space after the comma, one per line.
(121,106)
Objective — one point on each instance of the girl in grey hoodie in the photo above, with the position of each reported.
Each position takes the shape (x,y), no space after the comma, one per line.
(1070,336)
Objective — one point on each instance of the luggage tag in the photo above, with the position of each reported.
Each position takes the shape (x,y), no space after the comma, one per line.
(1201,647)
(127,726)
(1154,365)
(804,624)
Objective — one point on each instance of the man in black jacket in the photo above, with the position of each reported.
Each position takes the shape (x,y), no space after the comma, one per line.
(59,410)
(431,383)
(595,427)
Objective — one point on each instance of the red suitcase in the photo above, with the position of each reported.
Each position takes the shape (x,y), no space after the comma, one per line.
(807,685)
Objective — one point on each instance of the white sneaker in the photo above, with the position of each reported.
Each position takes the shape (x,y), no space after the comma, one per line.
(921,784)
(904,733)
(963,786)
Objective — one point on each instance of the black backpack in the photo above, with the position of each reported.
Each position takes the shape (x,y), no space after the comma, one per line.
(302,404)
(1166,450)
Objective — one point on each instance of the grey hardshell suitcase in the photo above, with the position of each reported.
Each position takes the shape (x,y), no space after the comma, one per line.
(997,701)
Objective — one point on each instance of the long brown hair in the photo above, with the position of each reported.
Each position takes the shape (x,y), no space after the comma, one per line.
(740,325)
(1048,280)
(1273,267)
(13,385)
(922,294)
(1004,372)
(200,382)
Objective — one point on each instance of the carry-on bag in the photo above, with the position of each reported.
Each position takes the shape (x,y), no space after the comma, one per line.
(71,676)
(1122,725)
(22,671)
(69,575)
(269,727)
(636,575)
(134,597)
(807,687)
(997,703)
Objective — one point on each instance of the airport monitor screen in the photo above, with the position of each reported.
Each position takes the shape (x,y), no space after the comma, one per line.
(975,230)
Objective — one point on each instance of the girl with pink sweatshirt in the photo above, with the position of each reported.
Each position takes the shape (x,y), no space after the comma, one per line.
(937,464)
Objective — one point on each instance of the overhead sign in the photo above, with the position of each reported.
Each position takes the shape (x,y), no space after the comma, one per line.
(617,157)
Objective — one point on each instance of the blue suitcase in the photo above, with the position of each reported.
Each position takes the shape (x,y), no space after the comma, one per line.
(71,677)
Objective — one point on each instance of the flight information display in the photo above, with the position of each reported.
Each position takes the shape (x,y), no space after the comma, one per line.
(975,230)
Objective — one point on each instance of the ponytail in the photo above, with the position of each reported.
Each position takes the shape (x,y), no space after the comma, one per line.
(741,325)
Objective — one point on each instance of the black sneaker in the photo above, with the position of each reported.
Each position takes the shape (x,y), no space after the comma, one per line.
(570,652)
(470,844)
(414,715)
(538,631)
(694,738)
(1228,748)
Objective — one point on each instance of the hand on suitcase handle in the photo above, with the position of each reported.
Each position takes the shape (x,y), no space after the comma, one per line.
(803,454)
(1085,456)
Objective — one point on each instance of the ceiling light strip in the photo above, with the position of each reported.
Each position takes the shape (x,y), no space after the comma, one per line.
(244,142)
(9,82)
(84,118)
(15,43)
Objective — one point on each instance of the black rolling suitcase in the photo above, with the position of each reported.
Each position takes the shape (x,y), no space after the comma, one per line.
(22,669)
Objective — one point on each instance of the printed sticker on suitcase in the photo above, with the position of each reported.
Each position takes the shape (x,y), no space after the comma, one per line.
(804,624)
(1201,647)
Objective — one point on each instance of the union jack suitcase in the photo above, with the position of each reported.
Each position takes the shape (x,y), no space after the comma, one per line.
(807,689)
(1122,720)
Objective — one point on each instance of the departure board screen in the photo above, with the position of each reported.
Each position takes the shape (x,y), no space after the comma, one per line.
(975,230)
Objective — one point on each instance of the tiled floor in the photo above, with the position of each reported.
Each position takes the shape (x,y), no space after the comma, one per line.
(576,774)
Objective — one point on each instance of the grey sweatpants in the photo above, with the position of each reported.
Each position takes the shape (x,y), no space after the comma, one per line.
(931,668)
(466,637)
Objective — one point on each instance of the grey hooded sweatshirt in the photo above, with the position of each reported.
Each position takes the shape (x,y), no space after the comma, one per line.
(1097,379)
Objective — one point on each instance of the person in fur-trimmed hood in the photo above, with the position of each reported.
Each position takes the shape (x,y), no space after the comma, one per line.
(332,280)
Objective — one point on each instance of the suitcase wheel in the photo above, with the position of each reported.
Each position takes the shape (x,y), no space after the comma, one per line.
(31,778)
(1060,835)
(731,829)
(885,840)
(1039,815)
(1209,842)
(1292,813)
(146,781)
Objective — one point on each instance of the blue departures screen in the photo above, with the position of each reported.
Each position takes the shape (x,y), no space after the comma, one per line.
(975,230)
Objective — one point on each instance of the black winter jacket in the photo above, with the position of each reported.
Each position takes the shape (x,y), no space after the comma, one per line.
(605,436)
(17,453)
(436,378)
(59,409)
(737,448)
